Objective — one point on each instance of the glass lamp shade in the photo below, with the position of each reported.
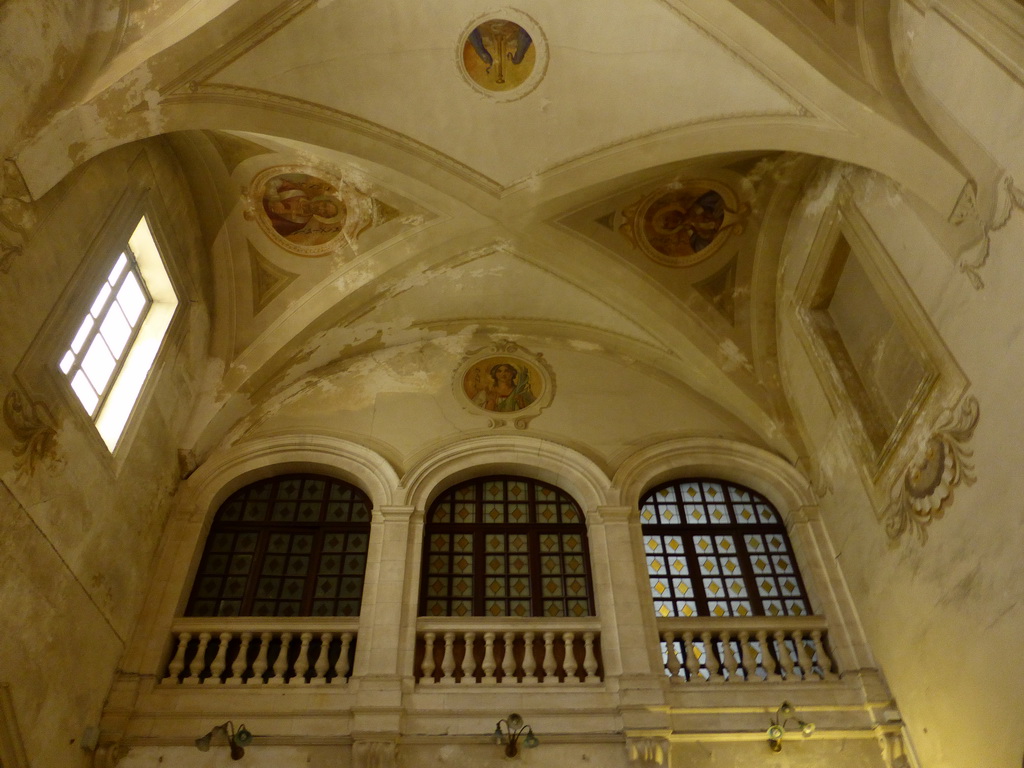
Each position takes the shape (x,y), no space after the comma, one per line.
(531,740)
(243,736)
(776,732)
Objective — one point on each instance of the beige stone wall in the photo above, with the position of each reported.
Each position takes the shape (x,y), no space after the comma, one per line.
(942,616)
(80,527)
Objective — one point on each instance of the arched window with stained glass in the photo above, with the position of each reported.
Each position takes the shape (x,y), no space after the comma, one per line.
(718,549)
(505,546)
(291,545)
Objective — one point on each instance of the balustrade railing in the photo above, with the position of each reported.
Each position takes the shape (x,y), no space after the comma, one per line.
(756,649)
(251,651)
(483,651)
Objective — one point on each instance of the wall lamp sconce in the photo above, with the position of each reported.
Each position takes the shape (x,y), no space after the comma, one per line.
(237,740)
(513,729)
(777,729)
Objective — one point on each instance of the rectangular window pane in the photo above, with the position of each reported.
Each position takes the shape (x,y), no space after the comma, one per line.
(96,310)
(115,330)
(131,298)
(85,392)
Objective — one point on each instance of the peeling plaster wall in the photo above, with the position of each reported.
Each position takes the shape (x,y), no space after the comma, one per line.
(403,397)
(43,42)
(944,617)
(78,528)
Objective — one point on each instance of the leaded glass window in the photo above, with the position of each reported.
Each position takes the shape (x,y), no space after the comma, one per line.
(505,546)
(293,545)
(718,549)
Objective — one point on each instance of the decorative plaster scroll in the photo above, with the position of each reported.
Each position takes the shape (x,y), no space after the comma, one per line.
(506,382)
(647,753)
(35,431)
(940,465)
(374,754)
(965,214)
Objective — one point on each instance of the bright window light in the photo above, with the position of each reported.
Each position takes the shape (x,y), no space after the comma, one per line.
(117,341)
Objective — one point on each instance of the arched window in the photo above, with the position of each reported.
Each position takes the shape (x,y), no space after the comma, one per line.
(718,549)
(293,545)
(505,546)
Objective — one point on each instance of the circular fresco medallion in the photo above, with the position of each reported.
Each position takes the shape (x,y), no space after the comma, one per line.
(684,224)
(503,57)
(503,384)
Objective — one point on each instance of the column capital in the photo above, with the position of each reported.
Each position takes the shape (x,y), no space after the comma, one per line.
(608,515)
(394,513)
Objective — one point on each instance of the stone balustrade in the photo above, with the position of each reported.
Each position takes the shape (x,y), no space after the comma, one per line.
(252,651)
(477,651)
(756,649)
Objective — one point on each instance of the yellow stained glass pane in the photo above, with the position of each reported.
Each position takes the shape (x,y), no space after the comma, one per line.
(654,565)
(719,611)
(660,587)
(664,611)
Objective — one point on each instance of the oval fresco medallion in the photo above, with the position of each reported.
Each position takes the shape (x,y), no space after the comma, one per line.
(684,224)
(503,57)
(503,384)
(307,214)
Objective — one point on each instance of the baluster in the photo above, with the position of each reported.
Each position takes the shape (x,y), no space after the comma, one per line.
(550,665)
(529,663)
(220,660)
(569,662)
(508,661)
(671,659)
(241,660)
(302,662)
(322,663)
(767,660)
(259,666)
(823,658)
(281,662)
(806,665)
(427,668)
(199,660)
(729,657)
(177,665)
(448,662)
(785,660)
(590,659)
(710,658)
(342,667)
(489,664)
(469,671)
(748,658)
(692,662)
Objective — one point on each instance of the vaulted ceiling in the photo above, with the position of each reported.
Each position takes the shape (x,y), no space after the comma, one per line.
(475,210)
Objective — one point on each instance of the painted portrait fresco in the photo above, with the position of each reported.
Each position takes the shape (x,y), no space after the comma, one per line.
(499,55)
(502,384)
(308,215)
(683,224)
(303,209)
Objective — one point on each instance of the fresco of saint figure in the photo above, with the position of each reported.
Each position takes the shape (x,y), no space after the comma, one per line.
(684,224)
(500,384)
(499,55)
(303,209)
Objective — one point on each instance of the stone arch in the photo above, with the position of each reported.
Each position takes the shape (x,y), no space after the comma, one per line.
(558,465)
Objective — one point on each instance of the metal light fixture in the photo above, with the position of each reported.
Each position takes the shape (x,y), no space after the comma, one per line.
(237,740)
(777,729)
(513,729)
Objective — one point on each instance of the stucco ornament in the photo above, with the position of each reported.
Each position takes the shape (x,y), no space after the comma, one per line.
(942,463)
(505,382)
(35,432)
(647,752)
